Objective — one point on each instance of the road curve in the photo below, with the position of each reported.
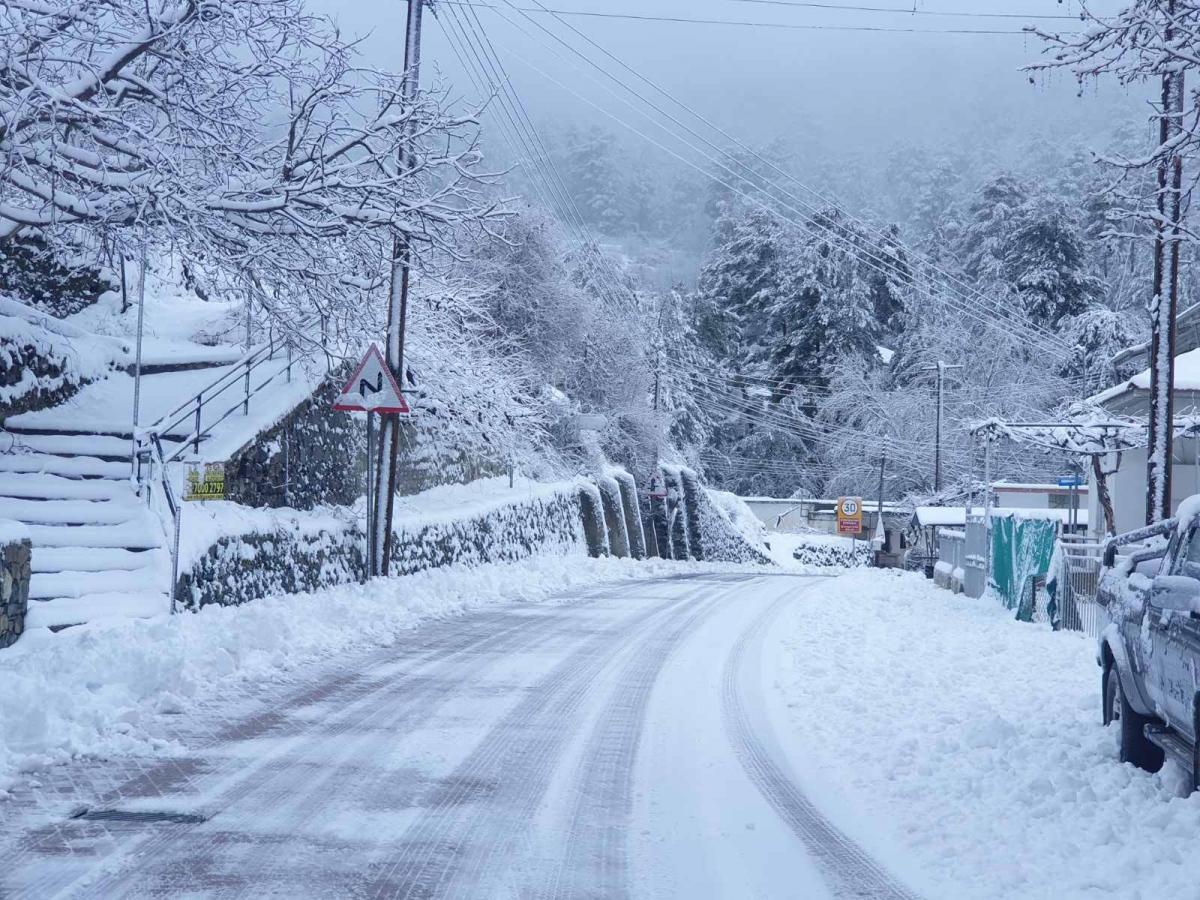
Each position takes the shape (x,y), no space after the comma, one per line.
(604,746)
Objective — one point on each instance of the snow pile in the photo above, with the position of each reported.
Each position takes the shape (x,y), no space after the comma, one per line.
(43,359)
(953,740)
(102,690)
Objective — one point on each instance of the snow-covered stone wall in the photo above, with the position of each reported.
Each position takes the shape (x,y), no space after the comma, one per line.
(287,551)
(292,552)
(548,522)
(44,361)
(313,457)
(15,559)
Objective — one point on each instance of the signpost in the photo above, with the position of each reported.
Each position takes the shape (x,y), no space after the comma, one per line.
(1074,482)
(372,389)
(850,516)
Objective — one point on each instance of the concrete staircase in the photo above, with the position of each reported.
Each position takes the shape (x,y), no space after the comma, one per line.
(98,550)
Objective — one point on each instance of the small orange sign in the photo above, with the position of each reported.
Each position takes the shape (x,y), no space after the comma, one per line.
(849,515)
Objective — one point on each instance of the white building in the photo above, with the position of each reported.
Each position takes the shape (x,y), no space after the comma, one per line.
(1128,486)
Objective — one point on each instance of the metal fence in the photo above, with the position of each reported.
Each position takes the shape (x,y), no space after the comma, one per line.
(952,553)
(975,563)
(1079,578)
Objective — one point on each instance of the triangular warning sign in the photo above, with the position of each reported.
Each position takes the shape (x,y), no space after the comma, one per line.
(372,388)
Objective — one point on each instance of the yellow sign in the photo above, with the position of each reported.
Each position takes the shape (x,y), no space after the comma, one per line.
(204,481)
(849,515)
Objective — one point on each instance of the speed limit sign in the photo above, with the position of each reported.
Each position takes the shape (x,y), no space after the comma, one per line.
(849,515)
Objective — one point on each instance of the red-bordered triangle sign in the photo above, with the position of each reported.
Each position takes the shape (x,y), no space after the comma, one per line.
(372,388)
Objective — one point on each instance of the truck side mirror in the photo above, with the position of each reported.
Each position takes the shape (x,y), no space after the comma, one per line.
(1110,556)
(1176,592)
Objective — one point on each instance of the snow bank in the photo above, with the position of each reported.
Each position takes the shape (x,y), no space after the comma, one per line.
(967,748)
(12,531)
(103,690)
(43,359)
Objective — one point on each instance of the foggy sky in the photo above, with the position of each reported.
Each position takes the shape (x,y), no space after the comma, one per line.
(857,90)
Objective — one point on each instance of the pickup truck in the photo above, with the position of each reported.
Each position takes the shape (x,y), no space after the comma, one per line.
(1150,652)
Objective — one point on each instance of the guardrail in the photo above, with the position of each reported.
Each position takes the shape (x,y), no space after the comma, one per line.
(220,400)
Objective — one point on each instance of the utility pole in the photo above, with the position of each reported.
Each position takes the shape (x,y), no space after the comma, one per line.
(389,426)
(941,368)
(1166,280)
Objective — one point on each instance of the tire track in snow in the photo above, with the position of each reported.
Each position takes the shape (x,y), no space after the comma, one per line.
(271,779)
(593,852)
(407,698)
(849,870)
(490,798)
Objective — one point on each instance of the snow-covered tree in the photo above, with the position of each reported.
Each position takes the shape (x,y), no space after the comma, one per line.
(241,134)
(596,179)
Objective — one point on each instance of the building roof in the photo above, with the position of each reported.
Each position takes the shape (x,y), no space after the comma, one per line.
(1187,378)
(1015,487)
(1187,337)
(930,516)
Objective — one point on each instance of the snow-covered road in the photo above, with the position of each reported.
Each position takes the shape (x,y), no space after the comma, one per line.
(612,747)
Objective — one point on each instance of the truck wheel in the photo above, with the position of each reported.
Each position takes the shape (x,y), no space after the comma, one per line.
(1136,748)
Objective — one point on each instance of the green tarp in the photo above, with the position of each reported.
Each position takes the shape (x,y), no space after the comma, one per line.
(1021,549)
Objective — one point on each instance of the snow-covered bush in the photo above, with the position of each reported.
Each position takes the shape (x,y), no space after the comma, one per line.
(44,361)
(821,551)
(31,271)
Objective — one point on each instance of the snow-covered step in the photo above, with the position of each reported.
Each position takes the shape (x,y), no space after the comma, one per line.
(38,485)
(52,585)
(71,512)
(94,608)
(100,446)
(92,559)
(68,466)
(136,535)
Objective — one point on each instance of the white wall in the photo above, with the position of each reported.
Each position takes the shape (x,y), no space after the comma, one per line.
(1128,487)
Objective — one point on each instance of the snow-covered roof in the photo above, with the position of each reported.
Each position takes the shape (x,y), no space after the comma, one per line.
(1016,487)
(928,516)
(1187,378)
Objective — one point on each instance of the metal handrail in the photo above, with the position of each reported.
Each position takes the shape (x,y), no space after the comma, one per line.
(148,441)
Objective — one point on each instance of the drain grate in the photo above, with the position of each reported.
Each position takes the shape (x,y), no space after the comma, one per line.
(137,817)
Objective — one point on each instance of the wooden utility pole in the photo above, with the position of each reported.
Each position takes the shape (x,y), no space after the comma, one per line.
(1164,300)
(389,426)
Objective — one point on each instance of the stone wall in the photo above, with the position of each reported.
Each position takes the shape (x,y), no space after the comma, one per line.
(15,558)
(243,567)
(314,457)
(305,552)
(317,457)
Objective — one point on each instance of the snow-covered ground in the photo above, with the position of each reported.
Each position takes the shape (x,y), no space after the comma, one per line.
(965,749)
(103,690)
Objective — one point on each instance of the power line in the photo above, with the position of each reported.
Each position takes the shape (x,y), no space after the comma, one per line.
(911,11)
(1044,340)
(870,229)
(518,129)
(740,23)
